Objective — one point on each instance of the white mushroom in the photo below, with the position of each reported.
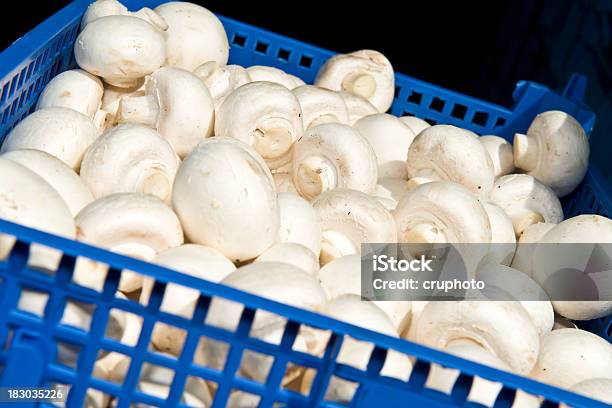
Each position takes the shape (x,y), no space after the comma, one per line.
(390,190)
(357,106)
(284,183)
(444,212)
(482,391)
(569,356)
(293,254)
(177,104)
(563,323)
(320,106)
(439,153)
(555,150)
(194,35)
(526,201)
(356,353)
(390,139)
(115,57)
(191,259)
(574,245)
(55,172)
(330,156)
(221,80)
(416,309)
(416,124)
(131,224)
(61,132)
(596,388)
(504,329)
(103,8)
(350,218)
(130,158)
(224,195)
(501,154)
(299,222)
(277,281)
(343,276)
(526,244)
(75,89)
(503,239)
(27,199)
(266,116)
(365,73)
(111,99)
(259,73)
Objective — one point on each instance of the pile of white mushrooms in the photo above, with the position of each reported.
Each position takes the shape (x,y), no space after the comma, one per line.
(157,149)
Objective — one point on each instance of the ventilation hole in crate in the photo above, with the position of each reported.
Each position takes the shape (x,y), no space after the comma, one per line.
(211,353)
(239,398)
(261,47)
(178,300)
(22,99)
(224,314)
(5,116)
(46,54)
(197,392)
(396,92)
(32,301)
(38,84)
(480,118)
(30,71)
(431,121)
(239,40)
(97,398)
(340,390)
(22,77)
(111,366)
(30,91)
(168,339)
(123,327)
(67,354)
(293,379)
(89,274)
(5,92)
(437,104)
(283,54)
(77,314)
(156,374)
(415,97)
(311,340)
(499,122)
(305,61)
(13,85)
(458,111)
(255,366)
(407,113)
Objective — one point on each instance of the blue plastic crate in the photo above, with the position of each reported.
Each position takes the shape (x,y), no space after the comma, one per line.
(28,344)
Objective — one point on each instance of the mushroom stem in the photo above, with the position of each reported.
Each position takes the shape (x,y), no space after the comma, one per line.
(529,219)
(150,180)
(334,245)
(152,18)
(417,181)
(273,138)
(424,233)
(139,109)
(525,152)
(315,175)
(360,84)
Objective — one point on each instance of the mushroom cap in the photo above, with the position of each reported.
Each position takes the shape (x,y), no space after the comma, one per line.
(561,151)
(224,195)
(501,154)
(265,115)
(596,388)
(416,124)
(114,57)
(343,276)
(343,69)
(503,328)
(61,132)
(356,106)
(503,239)
(102,8)
(526,245)
(186,108)
(75,89)
(390,139)
(350,218)
(221,80)
(292,254)
(57,173)
(27,199)
(333,155)
(569,356)
(299,222)
(194,35)
(440,152)
(450,208)
(130,158)
(549,258)
(526,201)
(320,106)
(261,73)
